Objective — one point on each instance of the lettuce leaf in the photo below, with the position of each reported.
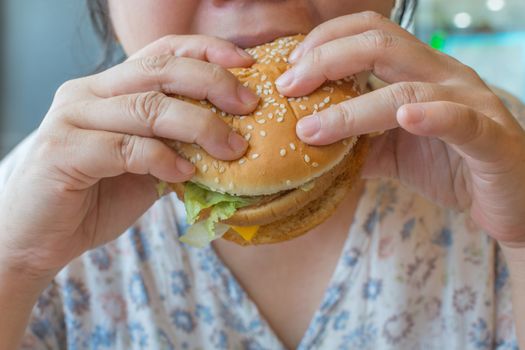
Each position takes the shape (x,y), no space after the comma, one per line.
(197,198)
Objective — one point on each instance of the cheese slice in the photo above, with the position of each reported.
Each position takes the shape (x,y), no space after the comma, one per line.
(246,232)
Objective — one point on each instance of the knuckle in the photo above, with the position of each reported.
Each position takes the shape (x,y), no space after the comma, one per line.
(208,123)
(66,91)
(380,39)
(346,116)
(317,56)
(408,92)
(155,65)
(147,107)
(372,17)
(129,148)
(216,72)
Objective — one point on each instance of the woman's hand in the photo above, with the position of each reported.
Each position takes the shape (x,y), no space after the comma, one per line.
(450,137)
(94,163)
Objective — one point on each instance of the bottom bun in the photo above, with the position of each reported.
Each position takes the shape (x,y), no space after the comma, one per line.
(316,211)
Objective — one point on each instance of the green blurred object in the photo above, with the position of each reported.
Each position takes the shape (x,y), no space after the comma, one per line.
(438,39)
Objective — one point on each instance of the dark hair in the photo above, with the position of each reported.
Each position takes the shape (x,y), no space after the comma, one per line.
(99,15)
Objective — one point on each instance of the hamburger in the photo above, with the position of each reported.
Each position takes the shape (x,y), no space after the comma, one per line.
(281,188)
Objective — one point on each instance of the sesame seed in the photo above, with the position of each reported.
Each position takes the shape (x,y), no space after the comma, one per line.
(205,168)
(202,102)
(215,164)
(262,133)
(214,110)
(307,158)
(192,160)
(270,115)
(282,105)
(288,183)
(249,127)
(282,152)
(246,84)
(216,180)
(222,170)
(321,105)
(326,100)
(199,157)
(302,107)
(242,161)
(315,164)
(223,114)
(264,77)
(248,136)
(292,146)
(326,88)
(255,156)
(280,119)
(258,113)
(261,121)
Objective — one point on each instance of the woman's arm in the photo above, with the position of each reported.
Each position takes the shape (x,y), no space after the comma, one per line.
(19,292)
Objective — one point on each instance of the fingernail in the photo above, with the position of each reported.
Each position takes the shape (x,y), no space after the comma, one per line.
(309,126)
(243,53)
(237,143)
(185,167)
(294,56)
(247,96)
(286,79)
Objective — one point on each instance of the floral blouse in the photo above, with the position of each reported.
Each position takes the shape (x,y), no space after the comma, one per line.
(411,275)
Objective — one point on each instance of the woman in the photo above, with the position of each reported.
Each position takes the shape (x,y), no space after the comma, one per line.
(390,269)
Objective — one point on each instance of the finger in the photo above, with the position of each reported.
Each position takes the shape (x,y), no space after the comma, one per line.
(371,112)
(153,114)
(347,26)
(100,154)
(201,47)
(176,75)
(391,58)
(472,133)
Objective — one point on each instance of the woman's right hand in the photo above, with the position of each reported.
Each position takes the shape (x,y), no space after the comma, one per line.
(94,162)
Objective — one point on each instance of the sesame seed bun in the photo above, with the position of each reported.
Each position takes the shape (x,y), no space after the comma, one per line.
(286,173)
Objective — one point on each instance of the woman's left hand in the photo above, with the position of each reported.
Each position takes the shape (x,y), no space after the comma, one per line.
(450,137)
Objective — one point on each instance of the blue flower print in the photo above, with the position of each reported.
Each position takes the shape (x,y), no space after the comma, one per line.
(204,313)
(219,340)
(352,257)
(235,292)
(180,283)
(41,328)
(341,320)
(372,289)
(100,258)
(251,344)
(183,320)
(502,275)
(140,244)
(443,238)
(137,290)
(333,295)
(479,335)
(164,342)
(408,227)
(360,338)
(76,297)
(101,338)
(138,335)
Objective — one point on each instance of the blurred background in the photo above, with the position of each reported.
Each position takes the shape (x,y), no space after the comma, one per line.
(45,43)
